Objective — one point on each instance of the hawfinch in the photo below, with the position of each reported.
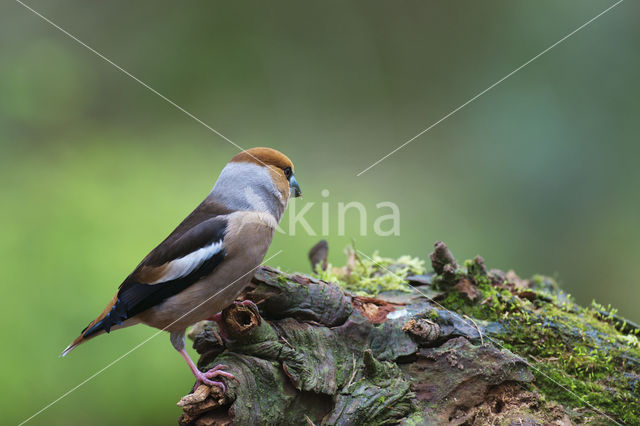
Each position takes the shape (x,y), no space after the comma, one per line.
(203,265)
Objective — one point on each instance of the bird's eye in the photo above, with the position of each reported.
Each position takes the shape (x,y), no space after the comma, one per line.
(287,172)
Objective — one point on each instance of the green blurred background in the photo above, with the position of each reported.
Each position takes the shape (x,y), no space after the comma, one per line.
(540,174)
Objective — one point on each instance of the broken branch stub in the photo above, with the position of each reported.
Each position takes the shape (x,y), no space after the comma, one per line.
(241,321)
(318,255)
(442,257)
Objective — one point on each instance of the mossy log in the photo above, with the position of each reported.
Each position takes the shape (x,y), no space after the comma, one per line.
(458,345)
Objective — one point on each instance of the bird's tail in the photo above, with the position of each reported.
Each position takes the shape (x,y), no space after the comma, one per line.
(77,341)
(102,324)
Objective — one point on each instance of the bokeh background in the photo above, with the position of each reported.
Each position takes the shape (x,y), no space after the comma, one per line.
(540,174)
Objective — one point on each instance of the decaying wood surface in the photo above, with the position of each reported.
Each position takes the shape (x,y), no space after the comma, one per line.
(312,354)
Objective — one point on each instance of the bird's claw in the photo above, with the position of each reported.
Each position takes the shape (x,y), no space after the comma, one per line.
(204,378)
(248,303)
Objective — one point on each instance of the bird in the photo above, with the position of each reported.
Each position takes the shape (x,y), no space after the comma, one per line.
(206,262)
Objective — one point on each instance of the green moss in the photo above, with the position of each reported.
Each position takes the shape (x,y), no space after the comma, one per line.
(369,276)
(417,418)
(578,356)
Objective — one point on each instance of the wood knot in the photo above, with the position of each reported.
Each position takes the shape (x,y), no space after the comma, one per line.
(240,318)
(422,329)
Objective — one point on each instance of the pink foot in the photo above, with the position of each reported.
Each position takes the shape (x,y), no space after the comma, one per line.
(203,378)
(248,303)
(215,371)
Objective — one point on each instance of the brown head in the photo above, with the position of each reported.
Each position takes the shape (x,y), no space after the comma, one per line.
(279,166)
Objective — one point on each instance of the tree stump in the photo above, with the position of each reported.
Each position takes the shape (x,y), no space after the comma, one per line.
(461,345)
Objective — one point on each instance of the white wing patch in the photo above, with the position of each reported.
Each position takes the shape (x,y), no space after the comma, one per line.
(183,266)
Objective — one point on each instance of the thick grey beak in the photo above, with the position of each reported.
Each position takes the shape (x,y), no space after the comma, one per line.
(294,187)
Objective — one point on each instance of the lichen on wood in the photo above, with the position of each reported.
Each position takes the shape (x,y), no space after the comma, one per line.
(458,345)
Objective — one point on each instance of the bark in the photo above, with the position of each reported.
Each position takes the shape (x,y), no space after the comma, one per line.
(463,345)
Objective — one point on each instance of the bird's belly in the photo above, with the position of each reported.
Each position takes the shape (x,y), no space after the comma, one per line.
(196,303)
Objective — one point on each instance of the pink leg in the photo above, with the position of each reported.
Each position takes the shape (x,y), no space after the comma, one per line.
(204,377)
(217,318)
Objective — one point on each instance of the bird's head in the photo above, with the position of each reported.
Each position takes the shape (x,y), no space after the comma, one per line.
(257,179)
(279,166)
